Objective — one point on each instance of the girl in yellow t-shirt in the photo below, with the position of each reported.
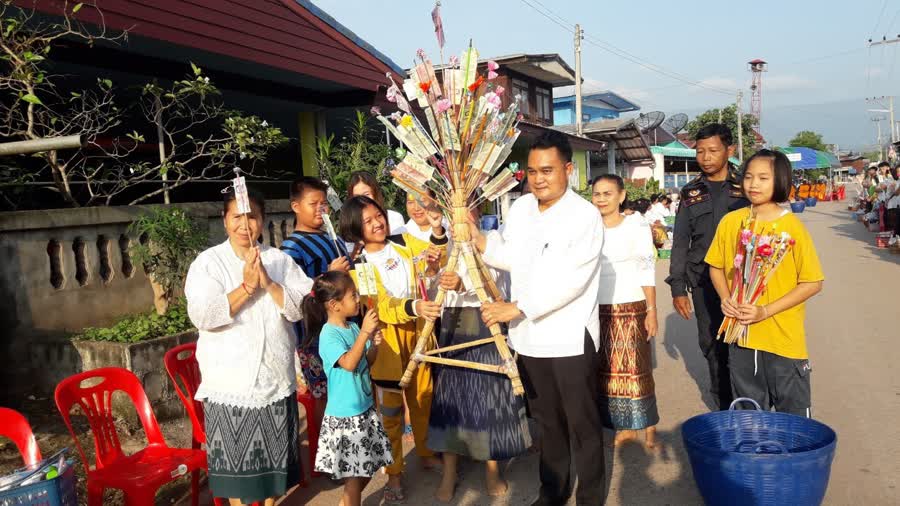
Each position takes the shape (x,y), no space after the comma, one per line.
(773,369)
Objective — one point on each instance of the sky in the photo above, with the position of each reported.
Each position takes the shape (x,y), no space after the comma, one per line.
(821,69)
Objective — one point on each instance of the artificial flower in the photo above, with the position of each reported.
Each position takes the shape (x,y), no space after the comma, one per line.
(477,84)
(499,90)
(493,100)
(375,110)
(406,121)
(443,105)
(391,93)
(425,86)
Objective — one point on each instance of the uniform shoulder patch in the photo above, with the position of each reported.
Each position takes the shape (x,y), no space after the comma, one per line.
(696,199)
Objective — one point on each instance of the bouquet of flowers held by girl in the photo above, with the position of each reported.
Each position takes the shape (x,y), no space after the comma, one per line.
(759,253)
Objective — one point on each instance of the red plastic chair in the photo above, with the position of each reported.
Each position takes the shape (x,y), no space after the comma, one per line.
(15,427)
(139,475)
(183,370)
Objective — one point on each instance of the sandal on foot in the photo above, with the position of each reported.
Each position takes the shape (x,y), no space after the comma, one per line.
(394,495)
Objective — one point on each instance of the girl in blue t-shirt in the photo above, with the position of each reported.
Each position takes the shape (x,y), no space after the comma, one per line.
(352,441)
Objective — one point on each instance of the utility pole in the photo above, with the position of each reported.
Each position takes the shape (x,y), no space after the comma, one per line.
(877,120)
(720,115)
(740,126)
(884,41)
(889,110)
(579,35)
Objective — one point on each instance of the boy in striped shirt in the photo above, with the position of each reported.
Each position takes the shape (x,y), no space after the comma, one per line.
(315,252)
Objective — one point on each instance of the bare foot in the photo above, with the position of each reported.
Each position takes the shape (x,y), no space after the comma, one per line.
(445,490)
(623,436)
(497,487)
(650,437)
(432,463)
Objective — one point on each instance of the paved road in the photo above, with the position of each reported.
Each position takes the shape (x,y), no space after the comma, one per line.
(850,326)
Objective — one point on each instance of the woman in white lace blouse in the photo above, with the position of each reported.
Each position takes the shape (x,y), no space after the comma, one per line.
(242,296)
(628,320)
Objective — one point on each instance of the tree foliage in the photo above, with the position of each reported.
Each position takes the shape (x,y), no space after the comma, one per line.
(729,118)
(808,139)
(357,151)
(171,240)
(198,137)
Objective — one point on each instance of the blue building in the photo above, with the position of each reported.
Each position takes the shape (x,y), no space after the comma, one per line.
(594,107)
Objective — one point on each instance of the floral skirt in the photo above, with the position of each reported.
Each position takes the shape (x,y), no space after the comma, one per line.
(626,370)
(353,446)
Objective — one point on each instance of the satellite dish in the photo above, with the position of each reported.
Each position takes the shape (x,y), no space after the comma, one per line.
(676,123)
(649,121)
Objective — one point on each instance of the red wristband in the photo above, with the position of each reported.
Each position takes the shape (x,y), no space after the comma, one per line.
(249,293)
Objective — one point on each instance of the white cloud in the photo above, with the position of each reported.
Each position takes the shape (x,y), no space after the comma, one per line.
(787,83)
(725,83)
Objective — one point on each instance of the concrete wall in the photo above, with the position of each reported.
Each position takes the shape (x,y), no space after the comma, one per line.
(66,269)
(145,360)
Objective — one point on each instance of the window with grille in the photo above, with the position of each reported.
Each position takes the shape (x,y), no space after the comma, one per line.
(544,105)
(520,89)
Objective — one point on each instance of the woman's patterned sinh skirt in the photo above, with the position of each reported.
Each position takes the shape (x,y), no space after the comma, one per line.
(626,368)
(252,453)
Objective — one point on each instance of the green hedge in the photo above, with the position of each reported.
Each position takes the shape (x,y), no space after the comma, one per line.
(142,327)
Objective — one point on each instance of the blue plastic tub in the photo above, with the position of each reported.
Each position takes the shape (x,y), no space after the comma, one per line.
(758,457)
(798,207)
(59,491)
(811,201)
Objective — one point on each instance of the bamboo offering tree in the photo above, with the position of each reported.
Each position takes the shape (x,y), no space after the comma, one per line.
(459,157)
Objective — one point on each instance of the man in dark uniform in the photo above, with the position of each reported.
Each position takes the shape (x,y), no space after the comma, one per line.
(704,201)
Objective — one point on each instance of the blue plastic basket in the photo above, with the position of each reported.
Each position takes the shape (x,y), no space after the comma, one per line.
(798,207)
(759,457)
(59,491)
(811,201)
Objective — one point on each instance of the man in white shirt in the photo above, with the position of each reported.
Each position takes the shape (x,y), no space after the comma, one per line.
(551,249)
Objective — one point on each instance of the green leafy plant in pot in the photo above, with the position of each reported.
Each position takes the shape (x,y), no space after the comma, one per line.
(170,241)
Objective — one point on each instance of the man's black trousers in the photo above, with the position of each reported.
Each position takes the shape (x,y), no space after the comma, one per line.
(708,310)
(564,399)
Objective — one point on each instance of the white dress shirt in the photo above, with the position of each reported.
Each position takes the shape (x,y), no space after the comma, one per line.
(396,225)
(246,360)
(627,262)
(413,229)
(553,258)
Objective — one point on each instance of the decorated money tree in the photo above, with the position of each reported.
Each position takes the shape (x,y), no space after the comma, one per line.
(459,157)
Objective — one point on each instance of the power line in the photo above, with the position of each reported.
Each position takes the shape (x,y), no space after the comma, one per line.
(621,53)
(878,19)
(828,56)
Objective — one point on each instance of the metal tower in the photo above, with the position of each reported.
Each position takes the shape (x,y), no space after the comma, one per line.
(757,67)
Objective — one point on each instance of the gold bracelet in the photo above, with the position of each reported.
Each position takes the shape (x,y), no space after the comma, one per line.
(650,309)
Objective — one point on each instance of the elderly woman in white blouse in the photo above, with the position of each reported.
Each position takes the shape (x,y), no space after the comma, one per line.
(628,319)
(242,296)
